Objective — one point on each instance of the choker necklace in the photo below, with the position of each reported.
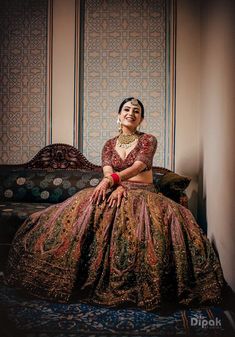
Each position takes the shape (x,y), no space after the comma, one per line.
(126,141)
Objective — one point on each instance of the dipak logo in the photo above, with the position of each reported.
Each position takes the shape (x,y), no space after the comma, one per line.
(204,322)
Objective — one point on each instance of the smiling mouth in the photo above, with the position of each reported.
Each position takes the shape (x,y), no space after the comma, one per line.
(130,119)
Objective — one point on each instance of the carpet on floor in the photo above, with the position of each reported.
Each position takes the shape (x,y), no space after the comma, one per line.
(22,316)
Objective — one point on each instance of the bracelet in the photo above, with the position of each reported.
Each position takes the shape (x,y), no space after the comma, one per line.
(116,178)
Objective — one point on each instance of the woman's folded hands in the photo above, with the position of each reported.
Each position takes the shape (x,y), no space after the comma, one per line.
(101,194)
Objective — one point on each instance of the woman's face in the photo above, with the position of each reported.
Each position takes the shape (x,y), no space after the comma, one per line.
(130,116)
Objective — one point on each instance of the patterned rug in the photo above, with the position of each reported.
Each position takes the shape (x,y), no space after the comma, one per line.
(22,316)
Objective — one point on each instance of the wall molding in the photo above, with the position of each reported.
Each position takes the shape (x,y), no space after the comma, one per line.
(171,83)
(76,117)
(48,118)
(168,133)
(77,127)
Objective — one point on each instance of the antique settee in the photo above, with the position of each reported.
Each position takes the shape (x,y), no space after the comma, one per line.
(55,173)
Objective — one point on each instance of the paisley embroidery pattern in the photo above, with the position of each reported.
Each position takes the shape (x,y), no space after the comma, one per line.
(147,253)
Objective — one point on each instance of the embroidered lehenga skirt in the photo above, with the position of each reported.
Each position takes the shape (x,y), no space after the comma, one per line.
(147,253)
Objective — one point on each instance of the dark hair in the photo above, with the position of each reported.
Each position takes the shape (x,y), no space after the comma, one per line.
(128,100)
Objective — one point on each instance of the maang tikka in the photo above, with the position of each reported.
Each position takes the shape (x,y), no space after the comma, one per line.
(134,101)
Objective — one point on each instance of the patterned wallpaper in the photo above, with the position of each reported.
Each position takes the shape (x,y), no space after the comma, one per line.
(23,62)
(124,55)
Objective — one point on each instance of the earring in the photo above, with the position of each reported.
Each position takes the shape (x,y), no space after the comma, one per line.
(119,125)
(139,127)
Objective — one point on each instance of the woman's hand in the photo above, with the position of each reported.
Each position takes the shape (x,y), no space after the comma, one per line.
(116,196)
(100,191)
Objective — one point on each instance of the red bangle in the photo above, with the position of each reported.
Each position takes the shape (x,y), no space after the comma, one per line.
(116,178)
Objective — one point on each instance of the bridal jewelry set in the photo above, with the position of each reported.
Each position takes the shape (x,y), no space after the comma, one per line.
(125,141)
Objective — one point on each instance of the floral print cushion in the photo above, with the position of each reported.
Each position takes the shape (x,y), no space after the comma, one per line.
(44,186)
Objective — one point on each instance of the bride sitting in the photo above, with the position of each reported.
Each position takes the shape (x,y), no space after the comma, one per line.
(121,243)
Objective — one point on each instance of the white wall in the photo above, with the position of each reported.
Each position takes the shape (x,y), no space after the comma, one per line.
(218,127)
(187,146)
(205,118)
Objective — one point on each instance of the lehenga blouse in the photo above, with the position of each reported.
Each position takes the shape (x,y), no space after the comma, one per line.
(143,151)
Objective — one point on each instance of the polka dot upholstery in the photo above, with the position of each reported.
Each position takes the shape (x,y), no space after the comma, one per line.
(45,186)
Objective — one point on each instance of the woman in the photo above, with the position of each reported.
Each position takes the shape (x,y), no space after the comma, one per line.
(121,243)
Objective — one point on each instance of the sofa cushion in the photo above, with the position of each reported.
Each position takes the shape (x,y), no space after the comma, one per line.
(156,179)
(52,186)
(172,185)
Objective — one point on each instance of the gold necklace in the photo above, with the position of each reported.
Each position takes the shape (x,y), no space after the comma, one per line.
(126,141)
